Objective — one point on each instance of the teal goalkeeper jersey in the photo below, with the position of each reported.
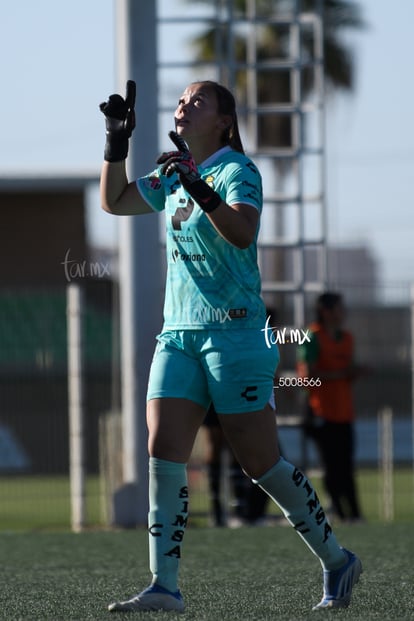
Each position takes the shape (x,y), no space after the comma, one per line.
(210,283)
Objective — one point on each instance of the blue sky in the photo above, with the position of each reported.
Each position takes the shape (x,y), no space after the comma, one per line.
(370,144)
(58,64)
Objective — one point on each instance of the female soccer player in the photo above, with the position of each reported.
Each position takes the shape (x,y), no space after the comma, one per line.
(212,347)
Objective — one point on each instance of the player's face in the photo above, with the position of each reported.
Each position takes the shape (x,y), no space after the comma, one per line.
(197,116)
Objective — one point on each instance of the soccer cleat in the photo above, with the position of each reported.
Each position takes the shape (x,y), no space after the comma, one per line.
(338,583)
(155,597)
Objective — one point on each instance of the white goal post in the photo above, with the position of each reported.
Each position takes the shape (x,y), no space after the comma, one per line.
(76,405)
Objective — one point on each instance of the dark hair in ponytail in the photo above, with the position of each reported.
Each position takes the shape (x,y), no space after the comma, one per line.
(227,106)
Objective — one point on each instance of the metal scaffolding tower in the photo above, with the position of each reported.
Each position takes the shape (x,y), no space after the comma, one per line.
(271,55)
(258,51)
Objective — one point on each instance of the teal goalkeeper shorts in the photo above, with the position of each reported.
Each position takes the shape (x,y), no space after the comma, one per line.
(233,369)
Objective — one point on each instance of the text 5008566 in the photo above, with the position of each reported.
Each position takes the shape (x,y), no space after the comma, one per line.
(301,382)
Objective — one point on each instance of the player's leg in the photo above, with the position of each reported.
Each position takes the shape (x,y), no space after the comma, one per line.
(350,486)
(177,402)
(172,425)
(253,439)
(250,428)
(332,453)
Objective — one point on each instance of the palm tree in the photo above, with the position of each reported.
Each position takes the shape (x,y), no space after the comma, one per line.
(338,64)
(272,44)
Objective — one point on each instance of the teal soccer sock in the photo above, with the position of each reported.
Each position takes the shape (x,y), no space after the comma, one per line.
(290,489)
(167,519)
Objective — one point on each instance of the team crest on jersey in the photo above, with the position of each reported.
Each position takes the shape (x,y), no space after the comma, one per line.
(210,181)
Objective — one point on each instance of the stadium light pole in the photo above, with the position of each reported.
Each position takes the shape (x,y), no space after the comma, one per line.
(139,260)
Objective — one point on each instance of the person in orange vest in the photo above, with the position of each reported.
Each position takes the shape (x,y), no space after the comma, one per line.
(327,369)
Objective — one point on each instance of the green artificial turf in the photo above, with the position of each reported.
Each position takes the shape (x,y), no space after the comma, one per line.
(227,575)
(43,502)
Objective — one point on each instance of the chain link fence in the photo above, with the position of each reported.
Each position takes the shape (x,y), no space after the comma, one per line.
(34,428)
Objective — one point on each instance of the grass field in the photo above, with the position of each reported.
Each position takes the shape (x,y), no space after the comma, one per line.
(246,574)
(48,573)
(43,503)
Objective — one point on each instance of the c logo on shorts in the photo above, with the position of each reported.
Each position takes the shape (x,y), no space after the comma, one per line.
(245,394)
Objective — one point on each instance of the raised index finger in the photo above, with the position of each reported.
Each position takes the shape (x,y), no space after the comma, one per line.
(131,89)
(179,142)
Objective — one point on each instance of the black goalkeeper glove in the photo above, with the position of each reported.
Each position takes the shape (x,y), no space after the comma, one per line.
(120,122)
(182,162)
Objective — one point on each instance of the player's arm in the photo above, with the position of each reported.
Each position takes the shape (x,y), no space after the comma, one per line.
(118,196)
(236,223)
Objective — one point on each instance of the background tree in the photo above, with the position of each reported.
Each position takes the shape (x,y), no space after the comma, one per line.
(339,16)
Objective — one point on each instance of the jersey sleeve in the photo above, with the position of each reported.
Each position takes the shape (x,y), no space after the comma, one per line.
(244,185)
(152,190)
